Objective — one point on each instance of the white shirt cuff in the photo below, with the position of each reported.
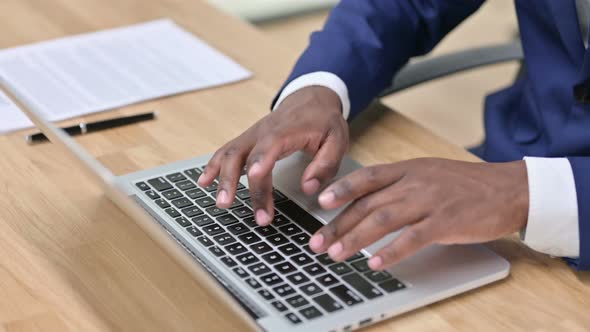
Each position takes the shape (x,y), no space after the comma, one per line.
(318,78)
(552,226)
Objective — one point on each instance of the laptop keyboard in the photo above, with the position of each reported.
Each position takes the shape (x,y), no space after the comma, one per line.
(274,260)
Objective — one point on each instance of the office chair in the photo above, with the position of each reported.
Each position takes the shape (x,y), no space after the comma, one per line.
(429,69)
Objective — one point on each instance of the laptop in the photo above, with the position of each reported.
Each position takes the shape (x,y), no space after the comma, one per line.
(268,275)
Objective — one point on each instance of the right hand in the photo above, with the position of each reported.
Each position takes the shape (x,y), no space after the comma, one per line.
(309,120)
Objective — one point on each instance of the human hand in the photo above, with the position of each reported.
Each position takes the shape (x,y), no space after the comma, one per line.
(437,200)
(309,120)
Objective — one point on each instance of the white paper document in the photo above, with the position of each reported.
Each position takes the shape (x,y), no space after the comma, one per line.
(98,71)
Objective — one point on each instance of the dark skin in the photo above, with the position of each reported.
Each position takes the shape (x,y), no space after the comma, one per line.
(431,200)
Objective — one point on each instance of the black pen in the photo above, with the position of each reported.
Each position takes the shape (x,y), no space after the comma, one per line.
(84,128)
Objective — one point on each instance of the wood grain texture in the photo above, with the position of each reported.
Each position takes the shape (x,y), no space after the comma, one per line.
(72,261)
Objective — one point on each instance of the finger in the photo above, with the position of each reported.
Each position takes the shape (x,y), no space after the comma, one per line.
(411,240)
(360,183)
(264,155)
(375,226)
(349,218)
(231,168)
(212,169)
(261,197)
(324,165)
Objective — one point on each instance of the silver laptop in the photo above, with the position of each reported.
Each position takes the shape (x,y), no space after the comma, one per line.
(268,275)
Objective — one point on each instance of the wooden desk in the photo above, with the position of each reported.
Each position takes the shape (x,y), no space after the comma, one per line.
(71,261)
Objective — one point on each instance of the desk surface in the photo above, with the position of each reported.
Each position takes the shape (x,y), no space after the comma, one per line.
(71,261)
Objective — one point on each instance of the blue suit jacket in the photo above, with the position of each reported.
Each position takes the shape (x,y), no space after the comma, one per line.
(365,42)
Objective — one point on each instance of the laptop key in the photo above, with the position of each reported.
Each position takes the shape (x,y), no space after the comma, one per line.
(247,259)
(289,249)
(212,187)
(191,211)
(215,250)
(175,177)
(280,220)
(250,221)
(298,278)
(277,239)
(142,186)
(359,283)
(308,249)
(356,256)
(327,280)
(266,294)
(152,194)
(314,269)
(223,239)
(327,303)
(243,194)
(236,248)
(242,212)
(193,174)
(182,221)
(265,230)
(302,259)
(185,185)
(304,219)
(279,306)
(259,269)
(361,265)
(228,261)
(249,238)
(237,229)
(240,185)
(297,301)
(260,248)
(346,295)
(240,272)
(236,203)
(172,194)
(253,283)
(162,203)
(285,267)
(310,313)
(290,229)
(182,202)
(194,231)
(392,285)
(226,219)
(202,220)
(377,276)
(205,241)
(284,290)
(278,196)
(195,193)
(340,268)
(293,318)
(205,202)
(302,239)
(324,259)
(310,289)
(172,212)
(160,184)
(271,279)
(215,211)
(273,257)
(214,229)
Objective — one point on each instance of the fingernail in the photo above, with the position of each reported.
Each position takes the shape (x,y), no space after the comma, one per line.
(311,186)
(375,262)
(335,250)
(222,197)
(254,169)
(316,242)
(262,217)
(327,197)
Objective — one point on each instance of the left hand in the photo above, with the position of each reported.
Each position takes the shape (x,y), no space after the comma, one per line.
(437,200)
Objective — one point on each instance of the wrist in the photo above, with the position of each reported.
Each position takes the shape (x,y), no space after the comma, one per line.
(318,96)
(521,192)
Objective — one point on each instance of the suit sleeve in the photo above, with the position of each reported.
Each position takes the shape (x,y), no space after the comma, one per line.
(365,42)
(581,171)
